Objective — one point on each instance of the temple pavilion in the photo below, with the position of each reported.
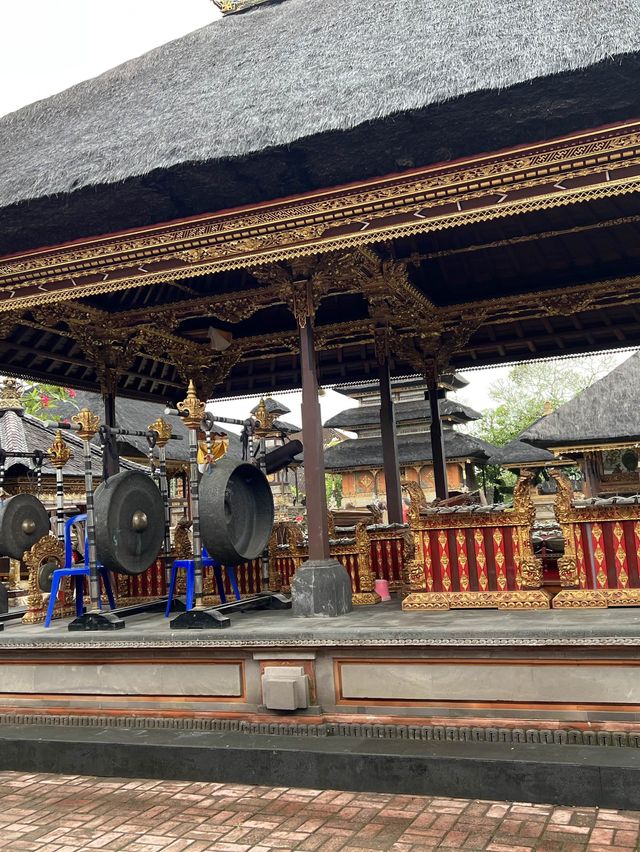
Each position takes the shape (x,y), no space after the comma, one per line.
(342,190)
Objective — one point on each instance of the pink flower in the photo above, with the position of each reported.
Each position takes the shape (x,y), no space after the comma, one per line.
(299,519)
(44,400)
(72,393)
(65,422)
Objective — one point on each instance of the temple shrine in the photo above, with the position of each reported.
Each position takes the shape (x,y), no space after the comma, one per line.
(308,194)
(360,463)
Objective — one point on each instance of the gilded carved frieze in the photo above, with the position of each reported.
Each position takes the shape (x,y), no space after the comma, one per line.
(598,164)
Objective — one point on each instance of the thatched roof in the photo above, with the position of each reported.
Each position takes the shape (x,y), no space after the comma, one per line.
(293,96)
(517,453)
(607,412)
(353,419)
(412,449)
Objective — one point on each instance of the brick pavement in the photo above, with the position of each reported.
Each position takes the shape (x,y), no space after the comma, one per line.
(55,813)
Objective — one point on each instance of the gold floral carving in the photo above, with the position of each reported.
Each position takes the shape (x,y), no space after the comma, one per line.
(367,594)
(162,430)
(181,540)
(59,452)
(417,501)
(88,422)
(46,550)
(419,601)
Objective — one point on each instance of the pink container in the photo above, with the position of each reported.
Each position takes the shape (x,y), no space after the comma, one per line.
(382,588)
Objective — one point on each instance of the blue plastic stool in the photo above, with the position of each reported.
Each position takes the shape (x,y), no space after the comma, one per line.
(189,566)
(78,572)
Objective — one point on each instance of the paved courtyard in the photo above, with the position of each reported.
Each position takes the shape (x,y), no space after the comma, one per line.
(56,813)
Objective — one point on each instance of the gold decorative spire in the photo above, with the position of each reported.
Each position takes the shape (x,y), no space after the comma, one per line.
(11,395)
(193,408)
(59,452)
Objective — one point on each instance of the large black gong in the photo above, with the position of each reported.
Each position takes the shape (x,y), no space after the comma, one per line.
(236,511)
(129,522)
(23,521)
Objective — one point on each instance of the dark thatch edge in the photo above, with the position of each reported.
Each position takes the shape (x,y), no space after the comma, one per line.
(307,94)
(405,412)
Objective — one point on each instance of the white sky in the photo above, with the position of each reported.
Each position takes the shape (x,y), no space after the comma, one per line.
(49,45)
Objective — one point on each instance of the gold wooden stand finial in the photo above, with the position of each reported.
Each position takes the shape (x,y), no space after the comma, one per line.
(162,430)
(193,407)
(88,422)
(59,452)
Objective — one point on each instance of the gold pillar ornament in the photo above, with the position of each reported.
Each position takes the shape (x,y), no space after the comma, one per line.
(192,407)
(264,419)
(59,452)
(88,422)
(162,430)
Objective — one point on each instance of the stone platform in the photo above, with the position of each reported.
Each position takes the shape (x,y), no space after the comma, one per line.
(376,666)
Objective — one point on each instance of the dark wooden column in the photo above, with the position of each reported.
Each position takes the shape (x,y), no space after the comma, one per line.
(110,464)
(317,522)
(437,440)
(389,446)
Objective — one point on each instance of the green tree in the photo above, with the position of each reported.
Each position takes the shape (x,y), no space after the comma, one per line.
(522,397)
(528,389)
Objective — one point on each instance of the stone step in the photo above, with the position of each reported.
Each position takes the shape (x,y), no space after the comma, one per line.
(564,774)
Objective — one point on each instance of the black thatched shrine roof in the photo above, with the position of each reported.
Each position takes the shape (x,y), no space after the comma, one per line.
(517,453)
(353,419)
(294,96)
(605,413)
(412,449)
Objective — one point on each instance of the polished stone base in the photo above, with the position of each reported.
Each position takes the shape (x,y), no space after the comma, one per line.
(321,588)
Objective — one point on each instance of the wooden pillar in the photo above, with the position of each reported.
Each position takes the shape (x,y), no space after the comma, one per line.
(110,463)
(437,440)
(389,446)
(317,522)
(471,480)
(591,477)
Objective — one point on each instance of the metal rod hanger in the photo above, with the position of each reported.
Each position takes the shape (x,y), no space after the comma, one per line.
(146,433)
(214,417)
(59,424)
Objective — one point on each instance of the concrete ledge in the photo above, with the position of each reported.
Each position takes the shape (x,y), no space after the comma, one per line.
(570,775)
